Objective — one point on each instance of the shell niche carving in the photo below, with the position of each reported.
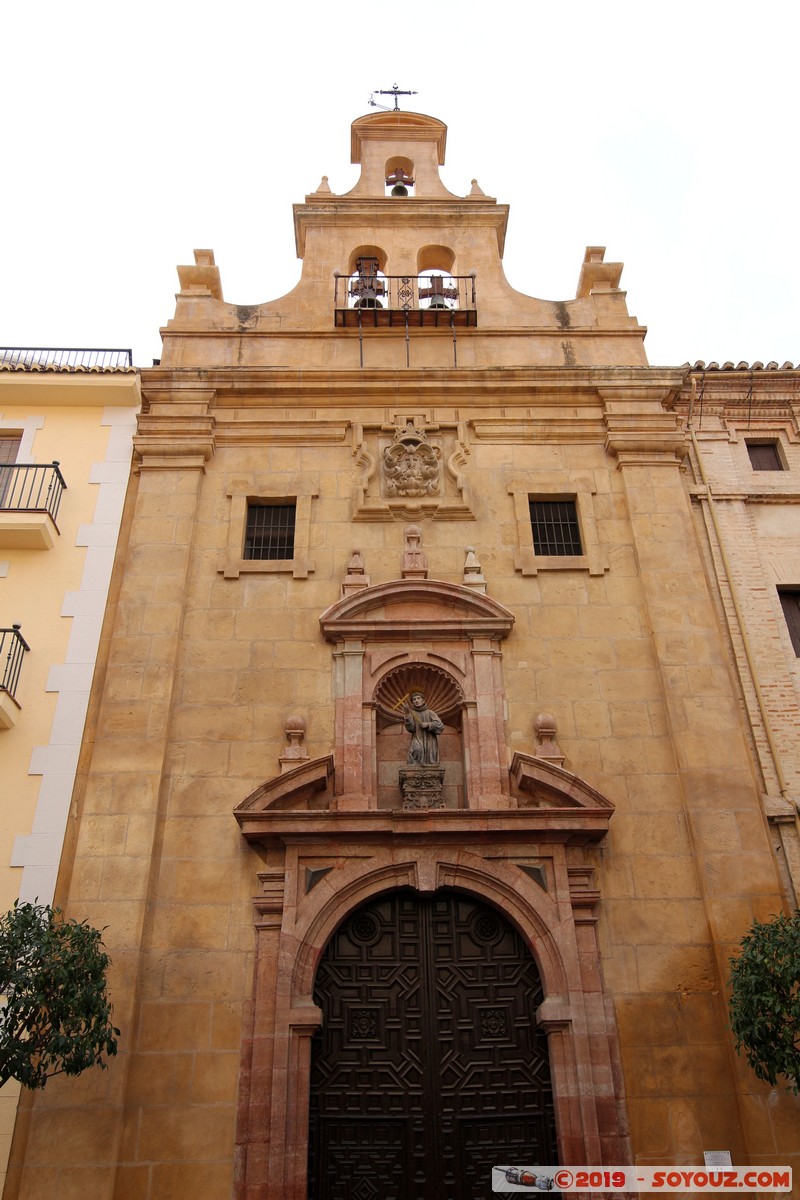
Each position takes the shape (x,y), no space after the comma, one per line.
(440,690)
(411,465)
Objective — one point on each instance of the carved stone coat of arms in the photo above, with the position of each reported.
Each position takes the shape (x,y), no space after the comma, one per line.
(411,466)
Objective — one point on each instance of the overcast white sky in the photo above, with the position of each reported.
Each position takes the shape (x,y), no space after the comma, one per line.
(667,132)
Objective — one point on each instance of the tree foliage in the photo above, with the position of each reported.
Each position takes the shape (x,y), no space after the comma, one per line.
(765,1001)
(55,1015)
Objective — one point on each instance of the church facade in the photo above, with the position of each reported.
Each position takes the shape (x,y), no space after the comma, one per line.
(419,800)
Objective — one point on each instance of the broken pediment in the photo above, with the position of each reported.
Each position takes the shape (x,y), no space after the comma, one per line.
(542,784)
(308,786)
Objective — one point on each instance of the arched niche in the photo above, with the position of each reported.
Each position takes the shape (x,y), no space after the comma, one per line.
(445,696)
(434,629)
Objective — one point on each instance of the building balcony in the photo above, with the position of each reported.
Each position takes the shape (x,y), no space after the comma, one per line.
(41,358)
(380,301)
(30,496)
(12,648)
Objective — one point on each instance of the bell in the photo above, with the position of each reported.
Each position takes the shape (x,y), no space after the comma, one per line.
(399,189)
(437,302)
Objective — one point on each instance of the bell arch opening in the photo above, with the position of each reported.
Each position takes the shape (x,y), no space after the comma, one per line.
(429,1067)
(399,173)
(435,258)
(367,284)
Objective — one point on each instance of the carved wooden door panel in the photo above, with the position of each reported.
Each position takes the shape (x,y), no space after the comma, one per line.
(429,1068)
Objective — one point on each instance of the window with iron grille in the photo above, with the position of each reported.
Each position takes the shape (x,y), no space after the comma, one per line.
(764,456)
(554,524)
(790,603)
(270,531)
(9,448)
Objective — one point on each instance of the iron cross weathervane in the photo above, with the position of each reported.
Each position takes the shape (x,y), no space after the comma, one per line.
(392,91)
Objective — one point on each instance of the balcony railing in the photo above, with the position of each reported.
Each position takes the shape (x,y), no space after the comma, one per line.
(31,487)
(12,648)
(364,301)
(42,358)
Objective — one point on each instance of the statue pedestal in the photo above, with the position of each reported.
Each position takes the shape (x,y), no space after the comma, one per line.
(421,787)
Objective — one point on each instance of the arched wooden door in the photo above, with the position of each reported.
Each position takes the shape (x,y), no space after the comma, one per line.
(429,1068)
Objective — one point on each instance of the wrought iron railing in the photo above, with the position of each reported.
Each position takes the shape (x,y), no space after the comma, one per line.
(437,295)
(65,359)
(31,487)
(12,648)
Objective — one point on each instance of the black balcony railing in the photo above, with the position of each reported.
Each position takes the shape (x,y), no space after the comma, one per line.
(364,300)
(30,487)
(12,648)
(43,358)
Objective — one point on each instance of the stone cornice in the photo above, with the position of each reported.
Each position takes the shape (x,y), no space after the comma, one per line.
(387,212)
(238,385)
(399,125)
(175,431)
(572,825)
(699,492)
(640,427)
(279,333)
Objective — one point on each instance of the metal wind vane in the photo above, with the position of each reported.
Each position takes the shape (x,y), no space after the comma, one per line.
(395,91)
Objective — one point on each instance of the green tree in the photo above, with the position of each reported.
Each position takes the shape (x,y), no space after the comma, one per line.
(765,1000)
(55,1015)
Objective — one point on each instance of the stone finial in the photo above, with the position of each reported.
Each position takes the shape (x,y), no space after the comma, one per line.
(596,274)
(356,578)
(472,572)
(476,189)
(546,745)
(323,185)
(203,278)
(415,565)
(295,752)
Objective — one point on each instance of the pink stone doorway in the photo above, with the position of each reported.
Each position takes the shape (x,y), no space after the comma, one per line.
(303,901)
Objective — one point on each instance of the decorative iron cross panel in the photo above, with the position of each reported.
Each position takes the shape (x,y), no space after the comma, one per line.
(405,292)
(367,286)
(437,288)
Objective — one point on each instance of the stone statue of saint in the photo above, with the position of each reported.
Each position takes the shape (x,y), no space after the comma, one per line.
(424,726)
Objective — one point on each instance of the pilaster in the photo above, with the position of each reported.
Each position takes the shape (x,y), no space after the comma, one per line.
(118,794)
(712,757)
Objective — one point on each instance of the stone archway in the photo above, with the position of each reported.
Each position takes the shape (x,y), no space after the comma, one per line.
(430,1067)
(303,902)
